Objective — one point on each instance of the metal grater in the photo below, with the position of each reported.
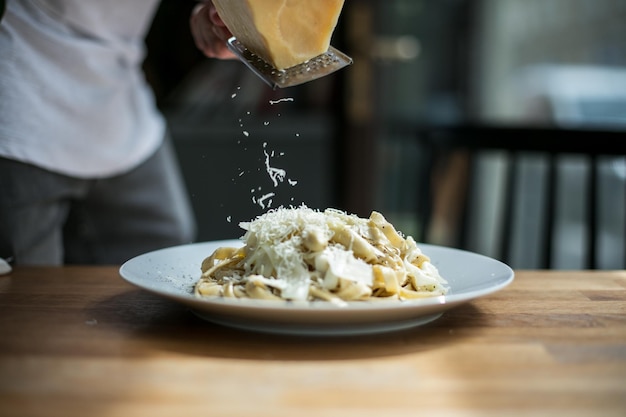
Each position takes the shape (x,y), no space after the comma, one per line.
(310,70)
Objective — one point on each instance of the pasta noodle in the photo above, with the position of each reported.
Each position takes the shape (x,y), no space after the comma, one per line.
(304,254)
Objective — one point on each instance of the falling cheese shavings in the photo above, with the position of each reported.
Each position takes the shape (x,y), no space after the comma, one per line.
(281,100)
(277,175)
(261,201)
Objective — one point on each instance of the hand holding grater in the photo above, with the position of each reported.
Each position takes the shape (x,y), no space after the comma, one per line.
(320,66)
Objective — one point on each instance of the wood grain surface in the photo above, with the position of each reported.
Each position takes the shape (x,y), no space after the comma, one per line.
(80,341)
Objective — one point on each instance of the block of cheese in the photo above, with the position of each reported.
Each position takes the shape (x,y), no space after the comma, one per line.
(282,32)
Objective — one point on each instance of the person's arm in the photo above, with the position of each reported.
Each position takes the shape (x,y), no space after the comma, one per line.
(209,31)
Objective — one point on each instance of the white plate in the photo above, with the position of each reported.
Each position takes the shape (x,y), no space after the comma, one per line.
(172,273)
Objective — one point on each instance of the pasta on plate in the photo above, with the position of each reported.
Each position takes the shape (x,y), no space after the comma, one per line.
(309,255)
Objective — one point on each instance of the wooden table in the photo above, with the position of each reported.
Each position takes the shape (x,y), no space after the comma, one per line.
(80,341)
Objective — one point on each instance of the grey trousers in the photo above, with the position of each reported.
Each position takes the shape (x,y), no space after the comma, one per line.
(52,219)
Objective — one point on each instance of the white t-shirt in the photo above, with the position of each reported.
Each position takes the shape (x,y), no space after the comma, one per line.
(73,98)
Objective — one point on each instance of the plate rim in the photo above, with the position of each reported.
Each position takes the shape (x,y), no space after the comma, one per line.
(450,299)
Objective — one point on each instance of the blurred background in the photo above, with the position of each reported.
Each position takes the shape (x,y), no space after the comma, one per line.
(348,140)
